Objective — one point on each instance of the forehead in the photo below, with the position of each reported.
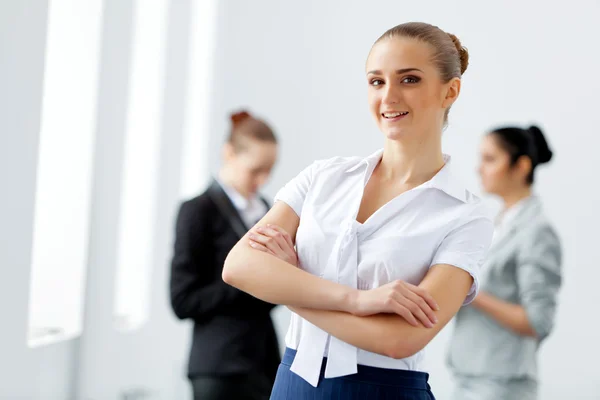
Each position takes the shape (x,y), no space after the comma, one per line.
(490,143)
(399,53)
(259,152)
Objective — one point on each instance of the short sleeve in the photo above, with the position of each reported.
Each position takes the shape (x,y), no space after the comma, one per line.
(467,245)
(295,191)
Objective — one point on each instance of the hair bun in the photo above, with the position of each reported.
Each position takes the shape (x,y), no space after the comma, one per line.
(544,154)
(239,116)
(463,53)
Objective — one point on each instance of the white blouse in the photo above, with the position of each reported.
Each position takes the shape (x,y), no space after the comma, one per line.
(438,222)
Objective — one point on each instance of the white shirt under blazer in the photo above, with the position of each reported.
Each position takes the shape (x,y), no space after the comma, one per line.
(438,222)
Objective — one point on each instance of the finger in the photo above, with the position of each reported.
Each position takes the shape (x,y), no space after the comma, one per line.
(425,295)
(289,248)
(284,241)
(405,313)
(417,312)
(258,246)
(422,305)
(266,241)
(275,235)
(407,290)
(288,252)
(286,235)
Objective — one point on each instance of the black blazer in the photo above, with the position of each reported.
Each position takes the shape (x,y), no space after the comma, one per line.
(233,331)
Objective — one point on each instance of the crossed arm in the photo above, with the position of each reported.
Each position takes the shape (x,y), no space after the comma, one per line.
(390,334)
(333,307)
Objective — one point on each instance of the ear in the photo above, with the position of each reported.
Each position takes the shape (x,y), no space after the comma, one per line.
(452,90)
(524,166)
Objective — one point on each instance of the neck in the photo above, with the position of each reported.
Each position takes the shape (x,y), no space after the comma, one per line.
(225,177)
(516,196)
(411,163)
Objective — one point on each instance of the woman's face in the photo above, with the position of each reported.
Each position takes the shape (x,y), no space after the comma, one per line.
(406,95)
(251,166)
(497,174)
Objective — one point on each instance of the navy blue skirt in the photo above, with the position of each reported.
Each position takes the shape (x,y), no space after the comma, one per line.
(368,383)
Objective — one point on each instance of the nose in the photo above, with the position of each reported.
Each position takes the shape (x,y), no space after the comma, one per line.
(481,171)
(391,94)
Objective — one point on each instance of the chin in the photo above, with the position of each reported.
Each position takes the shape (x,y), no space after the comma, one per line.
(490,190)
(396,134)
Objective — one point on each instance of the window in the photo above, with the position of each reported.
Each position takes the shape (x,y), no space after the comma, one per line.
(139,191)
(194,166)
(140,165)
(64,171)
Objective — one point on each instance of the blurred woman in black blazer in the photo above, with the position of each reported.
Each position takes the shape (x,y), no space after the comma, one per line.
(234,353)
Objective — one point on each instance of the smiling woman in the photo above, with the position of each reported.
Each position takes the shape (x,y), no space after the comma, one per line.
(407,238)
(438,61)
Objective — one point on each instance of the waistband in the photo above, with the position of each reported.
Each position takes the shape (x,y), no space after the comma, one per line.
(381,376)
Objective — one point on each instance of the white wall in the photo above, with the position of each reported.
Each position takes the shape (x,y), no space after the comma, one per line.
(301,65)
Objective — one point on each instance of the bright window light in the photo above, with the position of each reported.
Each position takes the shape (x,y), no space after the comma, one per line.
(194,165)
(140,168)
(64,171)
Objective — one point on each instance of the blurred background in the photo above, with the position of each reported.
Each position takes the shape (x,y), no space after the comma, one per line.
(114,111)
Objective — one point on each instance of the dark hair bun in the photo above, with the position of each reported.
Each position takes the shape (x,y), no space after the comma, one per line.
(544,154)
(239,116)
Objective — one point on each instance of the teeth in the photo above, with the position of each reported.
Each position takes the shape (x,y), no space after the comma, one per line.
(394,114)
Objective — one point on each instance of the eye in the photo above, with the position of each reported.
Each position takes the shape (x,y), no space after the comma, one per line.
(376,82)
(411,79)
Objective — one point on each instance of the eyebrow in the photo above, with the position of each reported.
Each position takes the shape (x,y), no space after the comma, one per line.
(398,71)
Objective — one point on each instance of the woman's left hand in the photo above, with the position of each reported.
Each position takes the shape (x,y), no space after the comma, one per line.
(274,240)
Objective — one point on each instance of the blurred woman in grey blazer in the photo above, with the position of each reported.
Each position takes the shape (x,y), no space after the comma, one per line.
(493,349)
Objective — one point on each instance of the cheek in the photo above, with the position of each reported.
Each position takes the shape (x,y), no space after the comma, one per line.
(242,176)
(374,101)
(486,170)
(496,176)
(427,100)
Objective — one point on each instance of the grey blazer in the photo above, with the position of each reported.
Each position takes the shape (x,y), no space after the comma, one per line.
(523,267)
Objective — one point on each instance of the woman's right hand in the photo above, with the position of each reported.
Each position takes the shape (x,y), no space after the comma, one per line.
(409,301)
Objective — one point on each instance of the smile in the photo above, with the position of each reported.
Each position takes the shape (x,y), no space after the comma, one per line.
(394,115)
